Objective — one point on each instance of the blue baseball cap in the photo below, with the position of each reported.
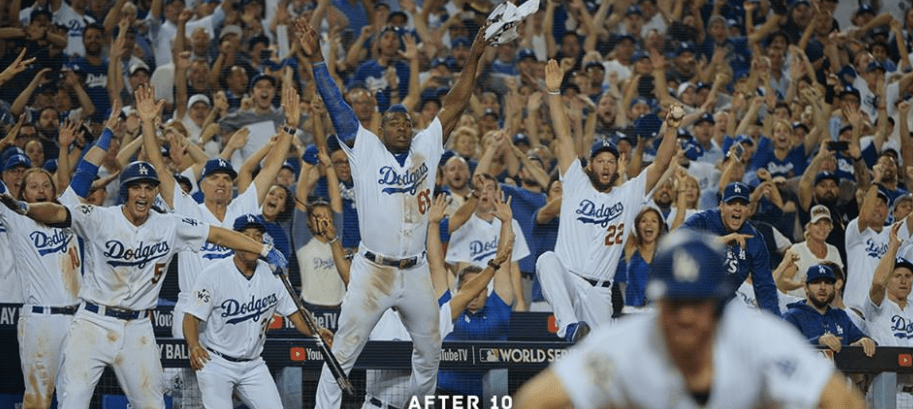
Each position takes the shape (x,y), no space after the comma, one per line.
(902,262)
(17,161)
(707,117)
(603,145)
(826,175)
(216,166)
(685,47)
(526,53)
(245,221)
(460,41)
(736,191)
(820,272)
(875,65)
(848,90)
(262,76)
(50,165)
(689,264)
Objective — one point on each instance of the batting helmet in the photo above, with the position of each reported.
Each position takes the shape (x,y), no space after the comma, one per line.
(689,265)
(137,172)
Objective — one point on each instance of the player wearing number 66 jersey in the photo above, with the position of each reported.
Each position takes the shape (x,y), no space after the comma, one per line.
(394,175)
(595,221)
(127,250)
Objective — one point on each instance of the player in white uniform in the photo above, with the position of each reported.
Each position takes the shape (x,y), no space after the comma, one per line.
(48,262)
(218,207)
(14,164)
(237,297)
(596,219)
(394,172)
(694,351)
(386,387)
(127,250)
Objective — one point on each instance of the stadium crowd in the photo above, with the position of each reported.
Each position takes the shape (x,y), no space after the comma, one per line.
(794,144)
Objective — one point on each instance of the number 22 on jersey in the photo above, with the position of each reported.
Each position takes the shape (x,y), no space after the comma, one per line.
(614,234)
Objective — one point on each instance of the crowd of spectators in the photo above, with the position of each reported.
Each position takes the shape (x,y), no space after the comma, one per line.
(805,103)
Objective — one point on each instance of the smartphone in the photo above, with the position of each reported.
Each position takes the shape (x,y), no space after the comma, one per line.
(837,146)
(740,151)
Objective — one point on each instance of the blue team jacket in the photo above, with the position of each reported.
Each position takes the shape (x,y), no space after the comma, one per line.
(753,259)
(813,325)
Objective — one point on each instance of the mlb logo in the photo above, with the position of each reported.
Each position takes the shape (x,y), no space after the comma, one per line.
(489,355)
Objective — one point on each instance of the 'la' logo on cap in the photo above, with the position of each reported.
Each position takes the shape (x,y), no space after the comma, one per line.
(143,170)
(250,219)
(738,189)
(222,163)
(684,267)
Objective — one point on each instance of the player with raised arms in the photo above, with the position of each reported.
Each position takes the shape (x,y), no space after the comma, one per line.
(127,250)
(394,172)
(596,219)
(693,351)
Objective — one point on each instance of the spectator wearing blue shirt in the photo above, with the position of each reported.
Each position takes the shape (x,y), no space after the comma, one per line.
(818,321)
(780,155)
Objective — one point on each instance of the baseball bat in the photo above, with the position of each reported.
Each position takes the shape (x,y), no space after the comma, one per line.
(341,378)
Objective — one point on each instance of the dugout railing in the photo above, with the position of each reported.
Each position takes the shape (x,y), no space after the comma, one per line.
(532,346)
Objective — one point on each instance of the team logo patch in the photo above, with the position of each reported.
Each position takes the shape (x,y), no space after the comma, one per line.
(86,209)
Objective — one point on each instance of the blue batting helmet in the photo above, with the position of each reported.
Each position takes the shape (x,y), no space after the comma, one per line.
(137,172)
(689,265)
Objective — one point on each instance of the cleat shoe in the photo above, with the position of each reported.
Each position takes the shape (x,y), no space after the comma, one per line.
(577,331)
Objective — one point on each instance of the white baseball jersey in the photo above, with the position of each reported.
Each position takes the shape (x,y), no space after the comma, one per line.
(237,310)
(47,259)
(756,358)
(10,288)
(888,324)
(125,264)
(476,242)
(594,226)
(190,263)
(396,221)
(320,281)
(863,252)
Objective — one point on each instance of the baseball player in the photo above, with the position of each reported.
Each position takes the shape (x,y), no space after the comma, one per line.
(237,297)
(746,252)
(595,221)
(218,207)
(49,263)
(127,251)
(394,171)
(694,351)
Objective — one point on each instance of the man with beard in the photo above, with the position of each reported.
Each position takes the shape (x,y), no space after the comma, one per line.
(818,321)
(93,69)
(596,219)
(746,252)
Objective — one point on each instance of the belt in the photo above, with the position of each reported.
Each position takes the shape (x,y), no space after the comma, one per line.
(597,283)
(228,357)
(377,402)
(392,262)
(118,313)
(70,310)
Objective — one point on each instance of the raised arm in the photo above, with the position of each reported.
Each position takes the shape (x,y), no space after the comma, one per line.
(560,124)
(440,279)
(885,267)
(341,113)
(277,156)
(666,148)
(457,99)
(148,111)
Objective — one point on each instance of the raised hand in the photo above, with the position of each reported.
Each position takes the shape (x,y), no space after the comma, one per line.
(146,106)
(553,76)
(114,118)
(438,208)
(411,52)
(16,67)
(502,210)
(291,106)
(67,134)
(308,39)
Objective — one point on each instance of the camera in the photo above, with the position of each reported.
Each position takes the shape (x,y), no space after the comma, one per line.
(837,146)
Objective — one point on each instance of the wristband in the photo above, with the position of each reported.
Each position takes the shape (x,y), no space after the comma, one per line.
(550,92)
(265,250)
(335,239)
(492,264)
(290,130)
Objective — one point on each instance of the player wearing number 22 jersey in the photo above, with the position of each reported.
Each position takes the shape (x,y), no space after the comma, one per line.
(597,216)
